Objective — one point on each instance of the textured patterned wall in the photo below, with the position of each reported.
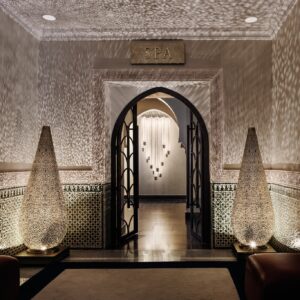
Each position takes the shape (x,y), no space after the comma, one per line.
(248,97)
(19,105)
(10,205)
(66,93)
(286,204)
(247,89)
(85,217)
(222,197)
(70,75)
(286,103)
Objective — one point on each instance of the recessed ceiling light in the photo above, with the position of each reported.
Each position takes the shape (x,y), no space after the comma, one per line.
(251,20)
(49,18)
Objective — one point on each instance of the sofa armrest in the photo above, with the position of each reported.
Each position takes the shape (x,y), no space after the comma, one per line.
(9,278)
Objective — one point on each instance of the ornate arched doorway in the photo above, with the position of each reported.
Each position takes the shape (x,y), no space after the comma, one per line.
(125,172)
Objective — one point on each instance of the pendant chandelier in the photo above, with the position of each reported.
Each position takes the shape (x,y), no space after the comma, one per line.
(155,140)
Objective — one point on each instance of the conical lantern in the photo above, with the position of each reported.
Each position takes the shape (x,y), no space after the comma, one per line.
(252,215)
(43,221)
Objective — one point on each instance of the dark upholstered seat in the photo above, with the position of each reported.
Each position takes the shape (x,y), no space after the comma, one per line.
(272,276)
(9,278)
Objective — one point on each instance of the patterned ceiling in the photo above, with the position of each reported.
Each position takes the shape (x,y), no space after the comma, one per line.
(137,19)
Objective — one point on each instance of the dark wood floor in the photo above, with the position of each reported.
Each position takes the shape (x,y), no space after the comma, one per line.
(163,226)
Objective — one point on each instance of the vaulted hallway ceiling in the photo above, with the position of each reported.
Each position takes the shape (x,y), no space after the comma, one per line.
(136,19)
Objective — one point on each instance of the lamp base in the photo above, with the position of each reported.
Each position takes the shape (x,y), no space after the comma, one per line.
(242,251)
(43,252)
(39,257)
(250,249)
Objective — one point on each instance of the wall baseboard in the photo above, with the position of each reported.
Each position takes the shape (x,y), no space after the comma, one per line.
(6,167)
(268,167)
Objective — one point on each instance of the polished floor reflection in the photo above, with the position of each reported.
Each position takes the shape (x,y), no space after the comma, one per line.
(163,227)
(150,256)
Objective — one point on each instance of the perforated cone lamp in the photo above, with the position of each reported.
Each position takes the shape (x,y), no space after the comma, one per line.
(252,215)
(43,221)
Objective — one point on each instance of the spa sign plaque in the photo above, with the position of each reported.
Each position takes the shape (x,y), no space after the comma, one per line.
(158,52)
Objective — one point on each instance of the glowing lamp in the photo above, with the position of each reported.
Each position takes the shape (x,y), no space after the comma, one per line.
(43,219)
(296,243)
(252,215)
(252,245)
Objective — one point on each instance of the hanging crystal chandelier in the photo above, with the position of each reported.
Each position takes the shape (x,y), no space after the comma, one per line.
(155,139)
